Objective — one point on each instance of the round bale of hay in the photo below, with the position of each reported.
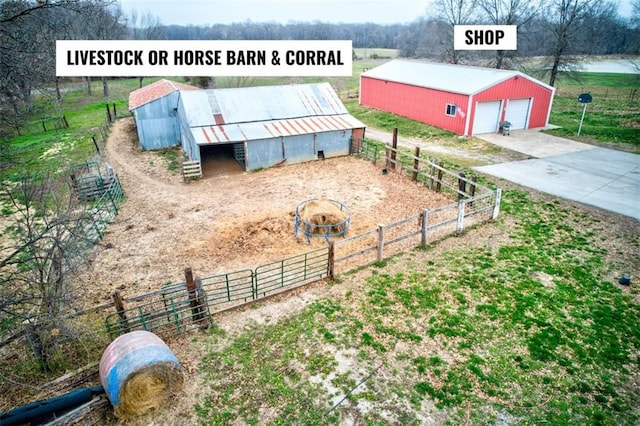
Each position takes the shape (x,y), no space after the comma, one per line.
(322,218)
(139,372)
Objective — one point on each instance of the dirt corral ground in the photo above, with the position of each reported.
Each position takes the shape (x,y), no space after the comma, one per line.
(231,220)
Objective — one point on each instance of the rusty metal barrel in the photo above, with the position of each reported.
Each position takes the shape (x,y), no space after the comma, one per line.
(139,372)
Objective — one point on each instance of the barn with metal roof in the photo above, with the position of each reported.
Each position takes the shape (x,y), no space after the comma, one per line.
(259,127)
(462,99)
(154,109)
(266,125)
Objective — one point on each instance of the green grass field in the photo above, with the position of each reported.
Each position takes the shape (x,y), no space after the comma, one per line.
(373,53)
(613,115)
(529,332)
(532,330)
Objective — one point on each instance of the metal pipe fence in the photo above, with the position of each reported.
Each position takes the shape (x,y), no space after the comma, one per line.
(193,301)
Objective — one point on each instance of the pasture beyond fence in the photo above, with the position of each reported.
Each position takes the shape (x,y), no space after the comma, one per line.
(184,305)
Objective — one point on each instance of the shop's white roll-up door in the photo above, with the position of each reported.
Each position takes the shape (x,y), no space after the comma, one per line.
(518,112)
(486,117)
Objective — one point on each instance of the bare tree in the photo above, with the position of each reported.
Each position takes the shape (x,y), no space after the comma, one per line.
(454,12)
(28,30)
(103,20)
(203,82)
(238,81)
(634,24)
(25,50)
(563,19)
(145,27)
(39,253)
(508,12)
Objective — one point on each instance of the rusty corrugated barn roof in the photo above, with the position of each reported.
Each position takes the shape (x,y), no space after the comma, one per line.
(262,112)
(154,91)
(239,132)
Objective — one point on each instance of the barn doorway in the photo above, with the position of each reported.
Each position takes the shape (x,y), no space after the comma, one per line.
(221,160)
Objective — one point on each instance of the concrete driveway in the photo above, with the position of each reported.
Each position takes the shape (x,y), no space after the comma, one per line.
(600,177)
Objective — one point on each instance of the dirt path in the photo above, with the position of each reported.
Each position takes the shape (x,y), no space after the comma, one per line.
(229,220)
(471,149)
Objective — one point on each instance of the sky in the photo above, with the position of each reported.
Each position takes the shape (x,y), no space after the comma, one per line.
(203,12)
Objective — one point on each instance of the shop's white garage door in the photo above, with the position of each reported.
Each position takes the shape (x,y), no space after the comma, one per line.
(487,116)
(518,112)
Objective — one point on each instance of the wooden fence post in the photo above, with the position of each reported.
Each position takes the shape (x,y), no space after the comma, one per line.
(462,185)
(188,278)
(380,242)
(192,290)
(331,265)
(425,227)
(95,143)
(460,224)
(472,189)
(394,145)
(416,164)
(119,304)
(198,309)
(439,181)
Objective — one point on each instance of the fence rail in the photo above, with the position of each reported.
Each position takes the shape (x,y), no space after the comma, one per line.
(275,277)
(193,301)
(227,290)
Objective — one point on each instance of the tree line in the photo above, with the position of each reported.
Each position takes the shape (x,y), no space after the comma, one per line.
(557,30)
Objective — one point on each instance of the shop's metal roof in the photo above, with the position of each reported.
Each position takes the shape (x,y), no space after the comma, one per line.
(466,80)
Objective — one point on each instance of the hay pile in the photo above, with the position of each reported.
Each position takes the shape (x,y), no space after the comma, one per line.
(139,373)
(148,388)
(322,212)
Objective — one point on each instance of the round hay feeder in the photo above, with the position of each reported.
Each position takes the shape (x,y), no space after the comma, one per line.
(323,218)
(139,372)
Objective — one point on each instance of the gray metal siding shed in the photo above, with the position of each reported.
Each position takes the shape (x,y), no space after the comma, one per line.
(334,144)
(189,144)
(157,123)
(299,148)
(274,124)
(263,153)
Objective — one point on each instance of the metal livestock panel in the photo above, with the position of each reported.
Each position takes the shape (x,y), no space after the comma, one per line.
(299,148)
(333,144)
(263,153)
(274,277)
